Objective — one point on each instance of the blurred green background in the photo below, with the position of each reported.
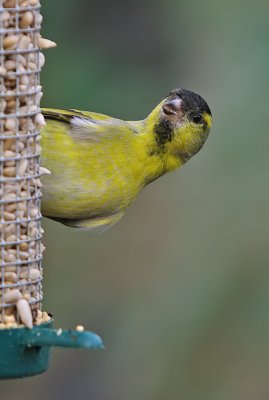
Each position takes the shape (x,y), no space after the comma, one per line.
(179,288)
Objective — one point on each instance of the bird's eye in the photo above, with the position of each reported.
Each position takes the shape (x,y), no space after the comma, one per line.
(197,118)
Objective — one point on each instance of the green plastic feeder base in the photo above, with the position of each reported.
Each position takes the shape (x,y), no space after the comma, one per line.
(26,352)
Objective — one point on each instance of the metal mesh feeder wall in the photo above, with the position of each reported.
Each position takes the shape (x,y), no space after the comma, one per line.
(26,333)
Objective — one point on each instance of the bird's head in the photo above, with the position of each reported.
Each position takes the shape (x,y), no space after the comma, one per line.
(182,124)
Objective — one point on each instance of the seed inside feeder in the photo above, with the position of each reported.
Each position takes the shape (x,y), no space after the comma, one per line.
(20,229)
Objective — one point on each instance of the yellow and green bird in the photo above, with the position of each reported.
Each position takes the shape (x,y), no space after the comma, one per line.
(99,163)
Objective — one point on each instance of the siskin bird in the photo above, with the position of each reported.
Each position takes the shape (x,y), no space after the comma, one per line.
(99,163)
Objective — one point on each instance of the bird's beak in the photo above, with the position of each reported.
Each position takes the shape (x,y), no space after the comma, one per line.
(172,106)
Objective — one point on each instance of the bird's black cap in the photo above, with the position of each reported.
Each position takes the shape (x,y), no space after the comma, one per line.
(192,101)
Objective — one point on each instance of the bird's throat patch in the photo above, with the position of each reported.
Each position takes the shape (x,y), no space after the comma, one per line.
(163,132)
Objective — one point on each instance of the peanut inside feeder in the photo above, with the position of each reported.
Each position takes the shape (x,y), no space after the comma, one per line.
(20,121)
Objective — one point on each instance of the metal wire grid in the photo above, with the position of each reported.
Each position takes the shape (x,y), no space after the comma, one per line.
(20,227)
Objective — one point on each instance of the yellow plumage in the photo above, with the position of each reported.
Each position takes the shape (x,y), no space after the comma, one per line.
(99,163)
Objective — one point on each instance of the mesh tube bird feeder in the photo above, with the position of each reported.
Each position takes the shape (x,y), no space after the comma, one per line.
(26,333)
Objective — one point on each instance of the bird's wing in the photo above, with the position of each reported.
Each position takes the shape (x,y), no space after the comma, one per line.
(67,115)
(85,125)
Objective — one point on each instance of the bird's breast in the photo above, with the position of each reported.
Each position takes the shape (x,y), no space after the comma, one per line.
(93,184)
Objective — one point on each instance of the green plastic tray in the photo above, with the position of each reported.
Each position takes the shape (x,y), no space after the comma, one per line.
(26,352)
